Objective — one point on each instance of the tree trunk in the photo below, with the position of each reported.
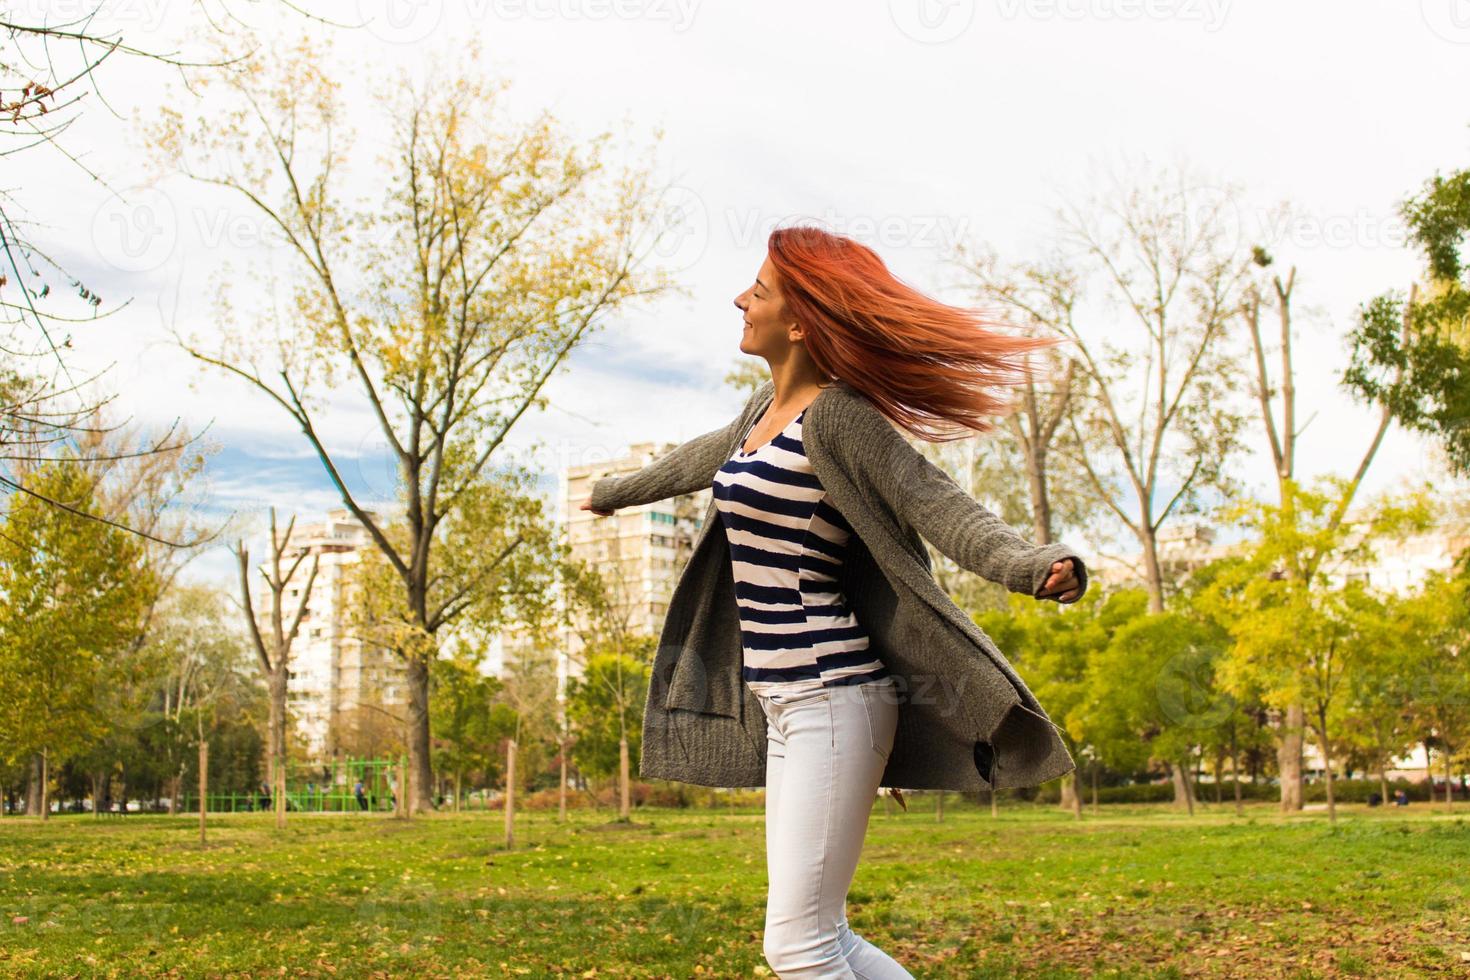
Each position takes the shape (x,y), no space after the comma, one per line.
(1067,798)
(1449,786)
(1235,774)
(399,791)
(418,731)
(458,790)
(1182,794)
(203,785)
(1327,765)
(561,795)
(280,792)
(33,786)
(624,809)
(510,792)
(276,740)
(46,783)
(1289,758)
(1076,793)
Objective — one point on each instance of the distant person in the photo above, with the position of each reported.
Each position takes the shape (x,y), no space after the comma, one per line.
(1400,798)
(361,794)
(1374,799)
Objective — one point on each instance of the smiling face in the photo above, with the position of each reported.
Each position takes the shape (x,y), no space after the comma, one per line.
(769,330)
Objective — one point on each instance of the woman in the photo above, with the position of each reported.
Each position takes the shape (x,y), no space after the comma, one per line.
(822,308)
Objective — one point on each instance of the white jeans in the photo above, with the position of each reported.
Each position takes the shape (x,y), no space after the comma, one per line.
(825,753)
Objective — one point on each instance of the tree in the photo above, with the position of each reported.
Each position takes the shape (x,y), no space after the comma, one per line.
(1053,651)
(1281,438)
(526,699)
(497,559)
(1384,689)
(1044,299)
(616,664)
(154,492)
(197,657)
(1292,626)
(1435,627)
(1153,409)
(52,63)
(273,647)
(1153,691)
(73,592)
(461,701)
(605,706)
(1413,357)
(444,307)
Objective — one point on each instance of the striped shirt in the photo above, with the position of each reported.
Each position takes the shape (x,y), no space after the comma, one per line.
(787,544)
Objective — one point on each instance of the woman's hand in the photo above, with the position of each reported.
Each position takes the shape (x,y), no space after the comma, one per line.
(599,513)
(1061,584)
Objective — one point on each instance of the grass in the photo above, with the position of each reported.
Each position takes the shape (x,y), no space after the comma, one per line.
(1137,891)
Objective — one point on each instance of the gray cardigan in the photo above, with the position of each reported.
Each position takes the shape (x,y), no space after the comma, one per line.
(966,719)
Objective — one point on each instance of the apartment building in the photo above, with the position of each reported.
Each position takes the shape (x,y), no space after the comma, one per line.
(640,550)
(342,694)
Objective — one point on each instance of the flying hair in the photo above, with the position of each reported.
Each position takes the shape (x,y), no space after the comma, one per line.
(935,370)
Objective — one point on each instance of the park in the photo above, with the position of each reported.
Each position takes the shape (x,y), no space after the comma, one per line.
(1135,891)
(933,488)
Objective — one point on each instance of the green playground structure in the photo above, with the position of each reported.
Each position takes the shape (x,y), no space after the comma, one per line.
(344,785)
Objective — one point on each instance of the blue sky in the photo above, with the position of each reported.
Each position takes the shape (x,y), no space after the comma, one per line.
(911,125)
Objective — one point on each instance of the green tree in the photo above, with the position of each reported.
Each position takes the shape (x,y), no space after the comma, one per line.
(1412,355)
(461,704)
(1051,647)
(1294,630)
(497,559)
(1379,722)
(599,610)
(443,306)
(606,708)
(1154,693)
(71,594)
(1435,626)
(199,656)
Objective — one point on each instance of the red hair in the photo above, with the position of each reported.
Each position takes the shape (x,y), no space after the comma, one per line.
(918,360)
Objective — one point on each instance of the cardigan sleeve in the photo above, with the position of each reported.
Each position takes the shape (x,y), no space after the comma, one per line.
(925,496)
(686,468)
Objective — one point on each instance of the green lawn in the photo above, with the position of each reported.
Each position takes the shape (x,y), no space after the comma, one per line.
(1136,892)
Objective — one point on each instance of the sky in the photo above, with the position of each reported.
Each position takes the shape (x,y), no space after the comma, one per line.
(912,125)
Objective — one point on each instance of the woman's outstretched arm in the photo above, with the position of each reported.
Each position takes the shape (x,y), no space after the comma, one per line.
(925,496)
(687,468)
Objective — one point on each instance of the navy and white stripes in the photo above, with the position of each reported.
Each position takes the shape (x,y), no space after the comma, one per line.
(787,544)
